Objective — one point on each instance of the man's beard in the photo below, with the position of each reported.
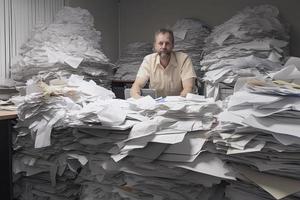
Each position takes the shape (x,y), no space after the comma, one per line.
(164,55)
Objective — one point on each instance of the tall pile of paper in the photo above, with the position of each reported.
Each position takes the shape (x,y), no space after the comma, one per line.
(44,173)
(48,153)
(70,139)
(70,44)
(62,102)
(190,35)
(252,42)
(63,125)
(259,133)
(145,173)
(51,106)
(168,147)
(131,59)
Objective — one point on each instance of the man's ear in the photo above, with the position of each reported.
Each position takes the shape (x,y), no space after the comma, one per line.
(153,47)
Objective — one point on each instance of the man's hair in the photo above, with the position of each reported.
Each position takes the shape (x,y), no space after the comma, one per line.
(163,31)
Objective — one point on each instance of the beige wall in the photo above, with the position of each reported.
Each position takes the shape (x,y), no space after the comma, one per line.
(140,18)
(105,13)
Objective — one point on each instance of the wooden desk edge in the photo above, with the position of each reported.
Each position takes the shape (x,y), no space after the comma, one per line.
(4,115)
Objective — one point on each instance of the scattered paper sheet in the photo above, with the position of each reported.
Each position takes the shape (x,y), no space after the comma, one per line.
(278,187)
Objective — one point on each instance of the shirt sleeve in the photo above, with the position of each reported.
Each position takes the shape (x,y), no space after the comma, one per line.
(187,70)
(144,70)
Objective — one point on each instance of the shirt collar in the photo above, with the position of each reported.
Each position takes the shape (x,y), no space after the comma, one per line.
(172,63)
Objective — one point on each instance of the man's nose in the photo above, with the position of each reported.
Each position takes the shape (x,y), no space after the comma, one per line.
(164,45)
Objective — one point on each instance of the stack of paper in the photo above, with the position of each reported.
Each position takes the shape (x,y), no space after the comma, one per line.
(61,102)
(77,166)
(251,43)
(172,119)
(190,35)
(7,89)
(134,178)
(248,191)
(172,138)
(70,43)
(163,150)
(260,130)
(45,168)
(131,59)
(159,155)
(44,173)
(135,187)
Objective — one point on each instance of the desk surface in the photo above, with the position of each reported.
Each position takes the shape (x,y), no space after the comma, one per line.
(7,114)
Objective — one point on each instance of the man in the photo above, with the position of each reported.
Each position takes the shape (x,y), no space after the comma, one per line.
(170,73)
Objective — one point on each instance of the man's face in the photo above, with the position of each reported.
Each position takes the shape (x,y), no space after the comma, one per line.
(163,44)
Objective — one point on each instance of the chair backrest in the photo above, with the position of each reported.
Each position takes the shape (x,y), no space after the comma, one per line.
(144,92)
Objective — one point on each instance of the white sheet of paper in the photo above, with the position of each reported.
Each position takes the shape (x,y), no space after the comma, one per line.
(286,139)
(210,164)
(172,138)
(145,103)
(43,134)
(73,61)
(282,125)
(278,186)
(192,143)
(254,147)
(178,157)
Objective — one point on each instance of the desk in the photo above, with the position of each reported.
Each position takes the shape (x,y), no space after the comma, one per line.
(6,154)
(118,87)
(6,115)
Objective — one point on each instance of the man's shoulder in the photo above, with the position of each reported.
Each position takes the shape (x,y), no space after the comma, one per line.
(150,56)
(181,55)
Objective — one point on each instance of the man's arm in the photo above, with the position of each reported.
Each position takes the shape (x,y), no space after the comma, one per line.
(188,77)
(138,84)
(141,79)
(188,86)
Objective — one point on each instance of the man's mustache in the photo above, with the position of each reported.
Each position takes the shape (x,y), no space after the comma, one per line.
(164,54)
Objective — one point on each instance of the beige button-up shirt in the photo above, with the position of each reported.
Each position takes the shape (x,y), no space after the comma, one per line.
(167,81)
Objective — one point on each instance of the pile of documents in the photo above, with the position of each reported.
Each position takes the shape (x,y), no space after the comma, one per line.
(61,102)
(7,89)
(45,168)
(259,134)
(70,44)
(71,145)
(169,148)
(136,187)
(190,35)
(171,121)
(160,154)
(44,173)
(252,42)
(247,191)
(131,59)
